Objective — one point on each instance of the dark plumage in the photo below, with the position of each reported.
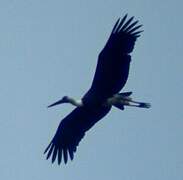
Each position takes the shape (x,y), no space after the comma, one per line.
(114,61)
(72,129)
(110,77)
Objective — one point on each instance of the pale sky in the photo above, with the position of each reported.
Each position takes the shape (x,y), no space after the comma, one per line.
(49,49)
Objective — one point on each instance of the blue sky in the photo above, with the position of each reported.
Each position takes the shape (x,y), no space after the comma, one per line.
(49,49)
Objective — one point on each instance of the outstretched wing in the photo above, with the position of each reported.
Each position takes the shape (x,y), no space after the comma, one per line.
(114,60)
(71,130)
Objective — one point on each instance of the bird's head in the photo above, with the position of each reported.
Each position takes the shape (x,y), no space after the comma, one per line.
(65,99)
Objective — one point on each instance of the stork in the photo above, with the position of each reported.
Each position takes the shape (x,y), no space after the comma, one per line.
(110,77)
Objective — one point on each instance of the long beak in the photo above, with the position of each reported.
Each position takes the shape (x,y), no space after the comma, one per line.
(56,103)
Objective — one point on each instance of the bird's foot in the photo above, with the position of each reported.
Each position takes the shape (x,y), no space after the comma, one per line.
(144,105)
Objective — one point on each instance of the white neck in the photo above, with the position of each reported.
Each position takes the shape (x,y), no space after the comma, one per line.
(74,102)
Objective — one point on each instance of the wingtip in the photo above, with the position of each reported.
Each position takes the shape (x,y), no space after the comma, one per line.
(125,15)
(45,151)
(119,25)
(50,148)
(115,26)
(59,156)
(71,154)
(136,34)
(54,155)
(65,155)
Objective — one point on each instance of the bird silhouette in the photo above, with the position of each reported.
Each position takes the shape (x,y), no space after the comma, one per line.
(110,77)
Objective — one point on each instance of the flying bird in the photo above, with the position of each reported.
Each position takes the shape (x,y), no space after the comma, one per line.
(110,77)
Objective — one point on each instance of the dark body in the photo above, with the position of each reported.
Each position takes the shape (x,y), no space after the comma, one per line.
(110,77)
